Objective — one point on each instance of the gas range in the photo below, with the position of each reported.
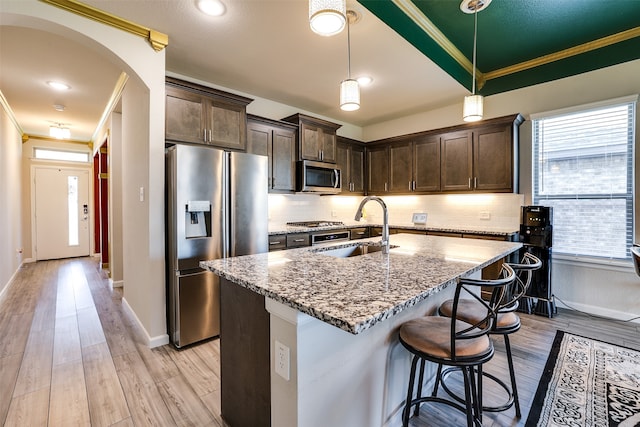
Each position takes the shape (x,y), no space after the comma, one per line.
(314,224)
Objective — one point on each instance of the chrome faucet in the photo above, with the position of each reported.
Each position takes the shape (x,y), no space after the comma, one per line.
(385,220)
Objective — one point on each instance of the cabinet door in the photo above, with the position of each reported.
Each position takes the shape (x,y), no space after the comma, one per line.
(356,169)
(328,147)
(227,125)
(426,164)
(377,169)
(342,160)
(456,161)
(184,116)
(493,159)
(283,156)
(401,168)
(258,139)
(310,142)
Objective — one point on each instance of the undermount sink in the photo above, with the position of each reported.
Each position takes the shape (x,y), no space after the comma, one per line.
(351,251)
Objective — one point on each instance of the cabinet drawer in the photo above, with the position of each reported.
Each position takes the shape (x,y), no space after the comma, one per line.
(277,241)
(359,233)
(298,240)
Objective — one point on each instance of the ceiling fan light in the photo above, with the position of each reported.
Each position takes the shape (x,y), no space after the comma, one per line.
(472,109)
(349,95)
(327,17)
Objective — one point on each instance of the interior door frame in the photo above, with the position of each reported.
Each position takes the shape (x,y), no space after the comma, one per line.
(32,178)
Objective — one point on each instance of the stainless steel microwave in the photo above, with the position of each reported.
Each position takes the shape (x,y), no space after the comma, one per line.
(318,177)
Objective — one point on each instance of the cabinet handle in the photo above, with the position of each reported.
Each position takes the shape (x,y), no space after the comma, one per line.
(298,240)
(469,182)
(410,186)
(204,135)
(475,182)
(414,186)
(385,186)
(275,242)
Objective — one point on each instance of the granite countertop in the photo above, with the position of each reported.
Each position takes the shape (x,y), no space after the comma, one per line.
(356,293)
(275,229)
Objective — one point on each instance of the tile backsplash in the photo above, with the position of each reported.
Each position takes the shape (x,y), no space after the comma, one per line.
(476,210)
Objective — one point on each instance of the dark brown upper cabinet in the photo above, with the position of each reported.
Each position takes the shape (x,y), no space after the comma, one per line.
(277,140)
(350,159)
(378,169)
(472,157)
(201,115)
(483,158)
(316,138)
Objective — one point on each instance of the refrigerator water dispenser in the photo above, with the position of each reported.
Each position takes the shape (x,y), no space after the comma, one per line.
(197,221)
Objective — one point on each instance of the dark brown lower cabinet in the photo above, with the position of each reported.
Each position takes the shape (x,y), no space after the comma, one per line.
(245,376)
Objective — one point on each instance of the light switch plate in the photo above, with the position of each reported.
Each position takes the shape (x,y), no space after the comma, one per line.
(419,218)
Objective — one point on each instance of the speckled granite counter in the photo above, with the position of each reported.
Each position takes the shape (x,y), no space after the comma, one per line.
(276,229)
(356,293)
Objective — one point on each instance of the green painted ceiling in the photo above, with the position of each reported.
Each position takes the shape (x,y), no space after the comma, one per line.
(513,32)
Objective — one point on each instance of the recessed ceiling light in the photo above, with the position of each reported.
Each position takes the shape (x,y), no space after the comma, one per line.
(211,7)
(364,80)
(58,85)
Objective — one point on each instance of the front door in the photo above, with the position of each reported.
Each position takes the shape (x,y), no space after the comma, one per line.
(61,212)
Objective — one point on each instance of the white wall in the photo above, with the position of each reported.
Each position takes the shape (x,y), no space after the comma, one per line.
(442,210)
(608,290)
(11,206)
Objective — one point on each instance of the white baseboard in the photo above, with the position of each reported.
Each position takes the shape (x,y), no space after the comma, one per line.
(152,342)
(598,311)
(117,283)
(4,289)
(28,260)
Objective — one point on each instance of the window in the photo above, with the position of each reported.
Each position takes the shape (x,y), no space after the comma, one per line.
(583,168)
(67,156)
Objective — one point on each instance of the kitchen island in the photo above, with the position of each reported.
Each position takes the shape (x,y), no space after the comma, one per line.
(333,355)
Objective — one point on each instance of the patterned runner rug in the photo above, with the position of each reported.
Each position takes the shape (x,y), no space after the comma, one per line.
(587,383)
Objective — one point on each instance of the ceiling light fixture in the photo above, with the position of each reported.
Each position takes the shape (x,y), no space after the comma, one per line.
(473,107)
(58,131)
(58,85)
(364,80)
(349,88)
(211,7)
(327,17)
(58,107)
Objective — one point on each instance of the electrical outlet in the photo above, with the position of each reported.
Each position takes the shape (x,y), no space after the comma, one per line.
(485,215)
(282,360)
(334,214)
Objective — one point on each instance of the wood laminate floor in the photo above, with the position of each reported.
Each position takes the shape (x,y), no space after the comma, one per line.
(70,356)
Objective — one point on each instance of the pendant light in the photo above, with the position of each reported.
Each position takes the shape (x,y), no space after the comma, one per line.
(349,88)
(327,17)
(472,109)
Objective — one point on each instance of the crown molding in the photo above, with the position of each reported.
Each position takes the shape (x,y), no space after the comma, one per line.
(12,116)
(156,39)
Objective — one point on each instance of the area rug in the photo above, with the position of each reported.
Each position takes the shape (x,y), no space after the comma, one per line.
(587,383)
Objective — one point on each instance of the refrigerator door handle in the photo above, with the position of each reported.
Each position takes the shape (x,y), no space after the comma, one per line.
(227,221)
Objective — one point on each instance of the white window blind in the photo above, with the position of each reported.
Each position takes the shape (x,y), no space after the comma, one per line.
(583,168)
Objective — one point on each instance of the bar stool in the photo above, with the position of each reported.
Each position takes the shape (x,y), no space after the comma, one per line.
(452,342)
(507,322)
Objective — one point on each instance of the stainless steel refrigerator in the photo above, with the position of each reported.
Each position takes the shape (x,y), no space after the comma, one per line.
(216,208)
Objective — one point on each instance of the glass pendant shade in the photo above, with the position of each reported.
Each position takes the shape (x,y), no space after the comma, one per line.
(473,108)
(327,17)
(349,95)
